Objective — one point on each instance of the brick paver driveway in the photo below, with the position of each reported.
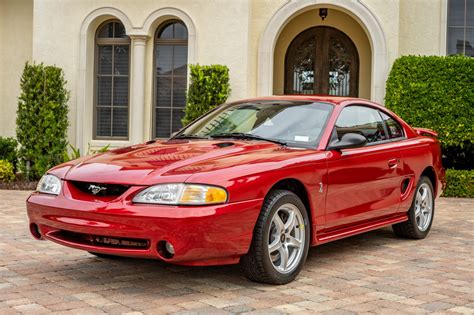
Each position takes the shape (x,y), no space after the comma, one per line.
(374,272)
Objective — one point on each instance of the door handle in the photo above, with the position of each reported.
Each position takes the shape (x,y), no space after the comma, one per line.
(392,163)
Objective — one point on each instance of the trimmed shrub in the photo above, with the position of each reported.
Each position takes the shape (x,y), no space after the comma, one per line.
(460,183)
(8,150)
(6,171)
(42,119)
(437,93)
(209,88)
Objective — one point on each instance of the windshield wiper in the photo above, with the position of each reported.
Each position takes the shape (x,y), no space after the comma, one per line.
(242,135)
(188,136)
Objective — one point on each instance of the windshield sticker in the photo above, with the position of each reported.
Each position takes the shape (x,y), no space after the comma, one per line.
(268,122)
(302,138)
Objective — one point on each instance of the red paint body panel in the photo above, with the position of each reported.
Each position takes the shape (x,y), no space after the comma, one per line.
(348,192)
(208,232)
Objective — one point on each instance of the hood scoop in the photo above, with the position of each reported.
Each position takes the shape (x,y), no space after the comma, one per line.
(224,144)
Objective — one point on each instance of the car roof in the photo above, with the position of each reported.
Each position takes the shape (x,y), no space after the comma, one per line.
(336,100)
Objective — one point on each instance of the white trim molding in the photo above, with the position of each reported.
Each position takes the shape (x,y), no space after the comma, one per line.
(137,89)
(161,15)
(356,9)
(443,32)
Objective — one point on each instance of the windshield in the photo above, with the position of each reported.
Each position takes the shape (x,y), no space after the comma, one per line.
(295,123)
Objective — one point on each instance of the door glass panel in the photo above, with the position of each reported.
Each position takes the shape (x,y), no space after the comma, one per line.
(340,59)
(393,127)
(303,67)
(361,120)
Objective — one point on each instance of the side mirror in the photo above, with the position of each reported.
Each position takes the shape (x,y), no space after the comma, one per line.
(348,141)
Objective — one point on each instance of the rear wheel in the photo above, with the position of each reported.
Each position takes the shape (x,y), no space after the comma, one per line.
(280,242)
(421,213)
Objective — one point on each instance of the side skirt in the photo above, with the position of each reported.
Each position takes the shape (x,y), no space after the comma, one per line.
(333,235)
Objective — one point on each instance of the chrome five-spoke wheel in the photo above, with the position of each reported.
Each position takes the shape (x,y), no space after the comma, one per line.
(421,213)
(280,241)
(423,207)
(286,238)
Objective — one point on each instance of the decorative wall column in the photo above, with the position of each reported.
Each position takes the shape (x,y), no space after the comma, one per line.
(137,89)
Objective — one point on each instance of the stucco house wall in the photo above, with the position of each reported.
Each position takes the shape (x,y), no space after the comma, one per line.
(249,36)
(16,34)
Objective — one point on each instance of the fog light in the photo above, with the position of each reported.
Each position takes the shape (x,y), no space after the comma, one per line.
(169,248)
(165,249)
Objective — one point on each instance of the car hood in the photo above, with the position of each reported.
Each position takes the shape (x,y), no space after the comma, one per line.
(174,161)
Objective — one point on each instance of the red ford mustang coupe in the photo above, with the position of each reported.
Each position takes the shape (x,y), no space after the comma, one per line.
(256,182)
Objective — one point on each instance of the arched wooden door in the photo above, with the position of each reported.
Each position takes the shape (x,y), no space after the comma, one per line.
(322,60)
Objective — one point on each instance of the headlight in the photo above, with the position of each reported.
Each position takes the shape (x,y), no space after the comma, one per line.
(49,184)
(182,194)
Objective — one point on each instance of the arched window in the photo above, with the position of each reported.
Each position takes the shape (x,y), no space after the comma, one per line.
(111,99)
(171,64)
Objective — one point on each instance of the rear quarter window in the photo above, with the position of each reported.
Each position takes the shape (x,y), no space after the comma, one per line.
(395,130)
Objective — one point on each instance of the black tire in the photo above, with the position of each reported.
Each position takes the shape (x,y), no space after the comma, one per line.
(106,256)
(410,228)
(257,264)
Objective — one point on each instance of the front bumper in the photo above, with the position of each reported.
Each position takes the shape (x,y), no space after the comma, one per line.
(200,235)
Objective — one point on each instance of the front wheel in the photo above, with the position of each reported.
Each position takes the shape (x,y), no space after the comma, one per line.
(420,214)
(280,242)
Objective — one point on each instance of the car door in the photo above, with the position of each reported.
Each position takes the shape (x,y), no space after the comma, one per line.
(364,182)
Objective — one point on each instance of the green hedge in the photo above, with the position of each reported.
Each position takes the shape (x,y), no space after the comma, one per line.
(42,119)
(209,87)
(437,93)
(6,171)
(8,150)
(460,183)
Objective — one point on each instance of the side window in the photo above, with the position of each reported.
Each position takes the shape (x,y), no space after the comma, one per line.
(361,120)
(394,128)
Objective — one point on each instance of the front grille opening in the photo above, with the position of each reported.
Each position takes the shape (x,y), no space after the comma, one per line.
(101,190)
(102,241)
